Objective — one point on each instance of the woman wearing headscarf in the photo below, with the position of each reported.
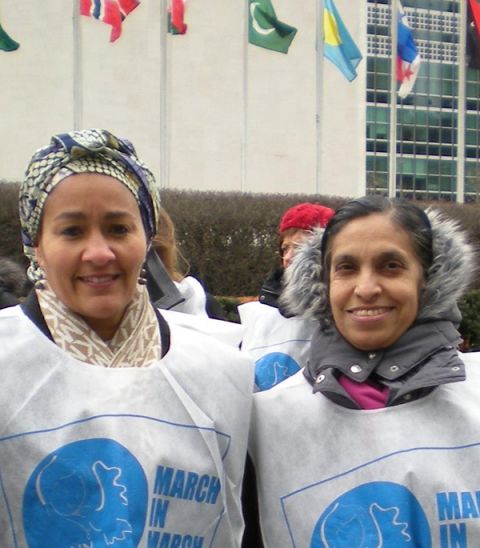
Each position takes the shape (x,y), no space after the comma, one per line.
(376,442)
(118,428)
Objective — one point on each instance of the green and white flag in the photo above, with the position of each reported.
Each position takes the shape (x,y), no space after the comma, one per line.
(7,43)
(265,30)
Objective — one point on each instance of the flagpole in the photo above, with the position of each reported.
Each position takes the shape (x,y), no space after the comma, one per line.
(319,93)
(163,151)
(461,107)
(77,69)
(244,138)
(392,152)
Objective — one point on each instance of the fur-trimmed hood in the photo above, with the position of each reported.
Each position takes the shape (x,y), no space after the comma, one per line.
(453,267)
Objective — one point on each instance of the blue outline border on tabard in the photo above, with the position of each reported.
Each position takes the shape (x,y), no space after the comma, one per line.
(108,415)
(121,415)
(364,465)
(279,343)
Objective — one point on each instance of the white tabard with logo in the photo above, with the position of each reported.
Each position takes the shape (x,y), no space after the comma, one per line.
(279,346)
(404,476)
(98,457)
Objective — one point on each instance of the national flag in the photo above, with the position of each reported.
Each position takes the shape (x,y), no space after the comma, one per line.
(408,58)
(176,24)
(112,12)
(265,30)
(7,43)
(473,34)
(338,45)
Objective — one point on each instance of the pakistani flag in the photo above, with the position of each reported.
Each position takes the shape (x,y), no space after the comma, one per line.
(7,43)
(265,30)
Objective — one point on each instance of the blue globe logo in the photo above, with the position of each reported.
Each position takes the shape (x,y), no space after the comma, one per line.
(371,515)
(87,493)
(274,368)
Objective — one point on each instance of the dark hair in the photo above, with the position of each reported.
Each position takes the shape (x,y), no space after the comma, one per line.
(405,214)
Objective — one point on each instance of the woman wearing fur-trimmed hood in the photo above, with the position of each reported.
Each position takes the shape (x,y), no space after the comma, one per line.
(385,389)
(447,262)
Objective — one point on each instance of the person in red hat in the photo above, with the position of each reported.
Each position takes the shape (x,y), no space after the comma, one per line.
(296,224)
(278,343)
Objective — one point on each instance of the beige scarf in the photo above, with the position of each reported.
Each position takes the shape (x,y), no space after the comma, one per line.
(136,342)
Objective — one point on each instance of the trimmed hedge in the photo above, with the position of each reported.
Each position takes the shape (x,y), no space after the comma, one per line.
(230,238)
(469,306)
(10,241)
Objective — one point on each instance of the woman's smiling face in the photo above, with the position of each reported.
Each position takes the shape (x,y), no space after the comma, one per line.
(92,245)
(374,281)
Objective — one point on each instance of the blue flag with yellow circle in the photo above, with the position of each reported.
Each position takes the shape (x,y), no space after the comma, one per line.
(338,45)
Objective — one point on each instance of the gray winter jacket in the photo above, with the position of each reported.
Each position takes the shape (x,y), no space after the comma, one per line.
(422,358)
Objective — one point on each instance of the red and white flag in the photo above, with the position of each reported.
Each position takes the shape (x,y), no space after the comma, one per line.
(111,12)
(408,58)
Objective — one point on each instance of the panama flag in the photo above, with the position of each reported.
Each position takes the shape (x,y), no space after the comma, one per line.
(338,44)
(112,12)
(408,59)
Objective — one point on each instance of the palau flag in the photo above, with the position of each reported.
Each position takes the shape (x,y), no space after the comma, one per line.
(338,44)
(408,59)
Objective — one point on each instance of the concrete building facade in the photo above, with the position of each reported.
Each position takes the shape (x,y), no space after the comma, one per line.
(433,150)
(208,111)
(205,110)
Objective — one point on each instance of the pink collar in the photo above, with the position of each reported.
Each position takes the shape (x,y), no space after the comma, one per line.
(365,394)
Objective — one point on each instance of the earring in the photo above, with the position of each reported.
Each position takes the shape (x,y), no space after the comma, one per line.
(36,274)
(40,284)
(142,279)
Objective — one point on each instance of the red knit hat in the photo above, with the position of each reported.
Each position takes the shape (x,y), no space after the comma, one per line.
(306,216)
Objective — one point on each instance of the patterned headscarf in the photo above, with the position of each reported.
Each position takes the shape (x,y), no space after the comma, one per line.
(85,151)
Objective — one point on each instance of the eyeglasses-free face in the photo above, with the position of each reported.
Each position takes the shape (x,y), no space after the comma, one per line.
(290,244)
(92,246)
(375,280)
